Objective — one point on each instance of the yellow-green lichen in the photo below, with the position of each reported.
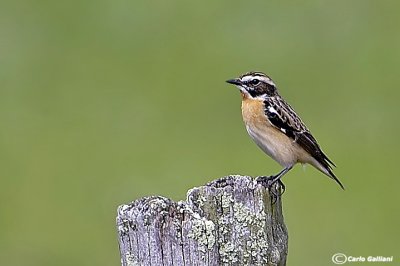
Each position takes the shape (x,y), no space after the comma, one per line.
(203,231)
(227,252)
(226,200)
(243,224)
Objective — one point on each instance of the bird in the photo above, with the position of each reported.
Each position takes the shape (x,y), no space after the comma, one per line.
(276,128)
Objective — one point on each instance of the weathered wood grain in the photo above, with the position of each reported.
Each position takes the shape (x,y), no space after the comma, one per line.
(230,221)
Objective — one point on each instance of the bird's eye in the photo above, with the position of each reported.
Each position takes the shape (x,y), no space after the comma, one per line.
(254,81)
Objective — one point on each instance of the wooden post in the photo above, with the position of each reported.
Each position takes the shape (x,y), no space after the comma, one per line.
(230,221)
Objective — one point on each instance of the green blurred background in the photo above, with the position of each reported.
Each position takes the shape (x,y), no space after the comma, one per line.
(103,102)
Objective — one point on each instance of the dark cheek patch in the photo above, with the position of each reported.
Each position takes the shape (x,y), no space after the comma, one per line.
(262,89)
(254,92)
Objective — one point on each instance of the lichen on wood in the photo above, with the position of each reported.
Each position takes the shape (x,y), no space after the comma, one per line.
(230,221)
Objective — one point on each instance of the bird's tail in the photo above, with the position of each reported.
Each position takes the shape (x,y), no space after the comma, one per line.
(325,165)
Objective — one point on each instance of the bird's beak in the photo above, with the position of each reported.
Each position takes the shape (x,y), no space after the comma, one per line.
(234,82)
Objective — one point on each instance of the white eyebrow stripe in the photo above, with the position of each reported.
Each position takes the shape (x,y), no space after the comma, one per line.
(261,78)
(270,82)
(247,78)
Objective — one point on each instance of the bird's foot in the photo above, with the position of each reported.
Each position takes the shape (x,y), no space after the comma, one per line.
(268,182)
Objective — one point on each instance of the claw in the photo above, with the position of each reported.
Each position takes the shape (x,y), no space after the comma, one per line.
(265,180)
(268,182)
(282,186)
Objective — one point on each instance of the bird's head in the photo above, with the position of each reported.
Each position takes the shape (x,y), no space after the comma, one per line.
(255,85)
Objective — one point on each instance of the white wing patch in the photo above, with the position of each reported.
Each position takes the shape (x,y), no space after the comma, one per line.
(272,110)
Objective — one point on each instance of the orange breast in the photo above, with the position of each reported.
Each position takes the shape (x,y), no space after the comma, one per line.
(253,111)
(270,139)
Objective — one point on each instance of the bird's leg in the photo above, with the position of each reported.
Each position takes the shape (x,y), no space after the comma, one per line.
(269,181)
(277,177)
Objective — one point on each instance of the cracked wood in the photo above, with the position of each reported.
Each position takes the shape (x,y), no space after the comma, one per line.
(230,221)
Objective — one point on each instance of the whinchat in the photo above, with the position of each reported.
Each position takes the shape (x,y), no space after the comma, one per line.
(276,128)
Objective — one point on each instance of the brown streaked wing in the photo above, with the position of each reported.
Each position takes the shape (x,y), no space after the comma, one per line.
(286,120)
